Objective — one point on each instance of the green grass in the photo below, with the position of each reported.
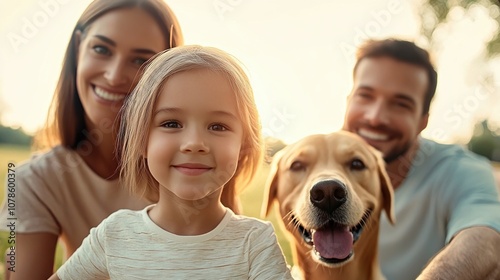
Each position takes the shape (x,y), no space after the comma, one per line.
(251,200)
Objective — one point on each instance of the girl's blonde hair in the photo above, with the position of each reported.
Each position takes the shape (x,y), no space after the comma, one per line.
(137,115)
(65,123)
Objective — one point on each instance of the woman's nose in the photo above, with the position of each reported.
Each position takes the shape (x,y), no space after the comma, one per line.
(116,72)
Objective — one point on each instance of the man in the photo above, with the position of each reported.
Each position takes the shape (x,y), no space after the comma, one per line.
(447,208)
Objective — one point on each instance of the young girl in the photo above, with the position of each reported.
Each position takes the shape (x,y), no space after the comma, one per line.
(189,129)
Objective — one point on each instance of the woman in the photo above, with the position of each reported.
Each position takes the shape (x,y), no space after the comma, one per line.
(74,186)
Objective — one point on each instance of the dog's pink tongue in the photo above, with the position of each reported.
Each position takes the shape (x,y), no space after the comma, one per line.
(333,242)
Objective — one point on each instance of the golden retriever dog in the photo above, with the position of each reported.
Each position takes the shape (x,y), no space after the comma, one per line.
(331,190)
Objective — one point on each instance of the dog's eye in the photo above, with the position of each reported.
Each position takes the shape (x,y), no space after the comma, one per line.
(357,164)
(297,166)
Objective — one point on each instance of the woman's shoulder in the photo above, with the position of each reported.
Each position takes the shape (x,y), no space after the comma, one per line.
(56,159)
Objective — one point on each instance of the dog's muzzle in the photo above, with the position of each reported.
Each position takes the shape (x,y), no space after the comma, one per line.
(333,241)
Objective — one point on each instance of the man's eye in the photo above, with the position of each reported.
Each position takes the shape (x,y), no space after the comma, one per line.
(363,95)
(404,105)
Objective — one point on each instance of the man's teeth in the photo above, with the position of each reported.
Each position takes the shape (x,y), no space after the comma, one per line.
(108,95)
(373,135)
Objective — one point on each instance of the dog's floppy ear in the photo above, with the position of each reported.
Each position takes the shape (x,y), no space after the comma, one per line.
(271,187)
(385,187)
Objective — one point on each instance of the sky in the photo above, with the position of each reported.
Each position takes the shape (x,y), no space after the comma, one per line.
(299,56)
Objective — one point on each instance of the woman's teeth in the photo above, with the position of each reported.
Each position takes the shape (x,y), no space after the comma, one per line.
(108,95)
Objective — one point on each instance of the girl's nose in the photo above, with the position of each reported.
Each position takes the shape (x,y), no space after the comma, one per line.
(194,143)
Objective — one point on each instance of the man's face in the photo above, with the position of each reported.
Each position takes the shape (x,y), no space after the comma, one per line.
(386,103)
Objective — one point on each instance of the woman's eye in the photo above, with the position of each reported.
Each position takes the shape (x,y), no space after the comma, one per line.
(218,127)
(139,61)
(171,124)
(101,50)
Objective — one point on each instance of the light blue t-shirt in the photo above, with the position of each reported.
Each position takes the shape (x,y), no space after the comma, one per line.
(447,189)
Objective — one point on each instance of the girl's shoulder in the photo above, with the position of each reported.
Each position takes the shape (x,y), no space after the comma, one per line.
(250,223)
(124,218)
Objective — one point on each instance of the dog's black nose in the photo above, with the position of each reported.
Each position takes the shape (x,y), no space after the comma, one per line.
(328,195)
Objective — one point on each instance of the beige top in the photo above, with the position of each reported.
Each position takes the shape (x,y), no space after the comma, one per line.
(129,245)
(56,192)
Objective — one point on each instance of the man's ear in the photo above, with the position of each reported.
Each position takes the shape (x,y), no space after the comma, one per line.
(423,122)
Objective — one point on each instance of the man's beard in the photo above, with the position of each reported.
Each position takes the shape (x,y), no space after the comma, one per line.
(395,154)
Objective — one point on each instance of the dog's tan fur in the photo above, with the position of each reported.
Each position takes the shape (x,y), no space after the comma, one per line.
(334,156)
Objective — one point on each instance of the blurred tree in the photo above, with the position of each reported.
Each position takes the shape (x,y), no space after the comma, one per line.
(9,135)
(485,141)
(435,13)
(13,136)
(440,18)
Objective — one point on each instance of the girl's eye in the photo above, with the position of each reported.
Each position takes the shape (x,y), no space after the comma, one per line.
(171,124)
(101,50)
(218,127)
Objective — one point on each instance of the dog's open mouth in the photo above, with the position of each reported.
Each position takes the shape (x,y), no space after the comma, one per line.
(333,242)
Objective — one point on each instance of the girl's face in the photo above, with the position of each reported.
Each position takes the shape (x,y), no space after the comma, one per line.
(109,56)
(196,135)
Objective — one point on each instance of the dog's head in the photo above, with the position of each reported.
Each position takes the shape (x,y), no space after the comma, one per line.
(329,188)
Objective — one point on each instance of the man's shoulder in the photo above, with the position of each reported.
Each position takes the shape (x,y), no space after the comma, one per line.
(452,154)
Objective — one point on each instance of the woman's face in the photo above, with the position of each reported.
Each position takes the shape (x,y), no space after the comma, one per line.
(110,53)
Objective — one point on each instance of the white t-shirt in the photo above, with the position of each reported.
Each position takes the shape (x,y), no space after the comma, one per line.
(56,192)
(447,190)
(129,245)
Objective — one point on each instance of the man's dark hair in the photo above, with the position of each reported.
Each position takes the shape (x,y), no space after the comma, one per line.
(403,51)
